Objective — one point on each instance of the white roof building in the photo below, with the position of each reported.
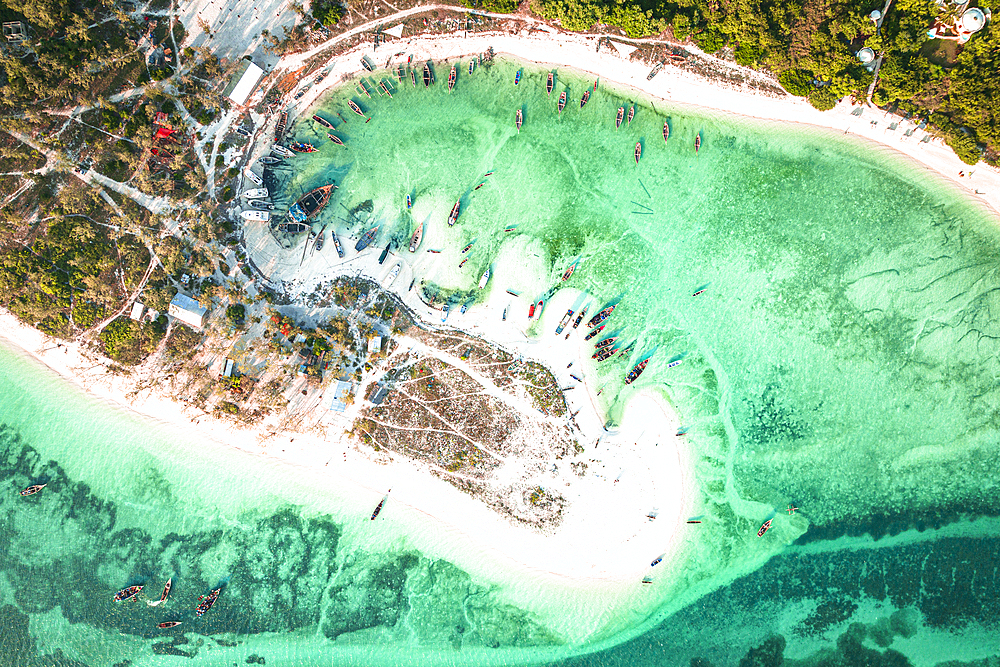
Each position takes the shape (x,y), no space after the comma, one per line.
(187,310)
(243,82)
(338,396)
(375,345)
(136,313)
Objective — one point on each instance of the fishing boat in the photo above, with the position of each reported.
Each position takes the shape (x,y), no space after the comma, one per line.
(517,77)
(485,278)
(336,244)
(594,333)
(262,205)
(700,291)
(260,216)
(628,350)
(281,150)
(538,307)
(513,293)
(621,115)
(127,593)
(413,78)
(205,602)
(564,321)
(324,122)
(301,147)
(462,263)
(355,108)
(452,77)
(267,159)
(279,127)
(472,65)
(675,362)
(763,529)
(168,624)
(310,204)
(453,218)
(631,114)
(510,228)
(636,371)
(568,272)
(604,353)
(656,562)
(33,489)
(319,241)
(289,227)
(412,283)
(365,240)
(579,318)
(256,193)
(409,202)
(467,248)
(606,342)
(254,178)
(518,119)
(427,75)
(550,83)
(385,88)
(415,239)
(666,131)
(385,253)
(367,65)
(436,252)
(393,274)
(164,594)
(638,151)
(601,316)
(444,316)
(697,142)
(562,101)
(335,139)
(585,98)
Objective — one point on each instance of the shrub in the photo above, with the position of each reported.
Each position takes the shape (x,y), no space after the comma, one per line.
(327,12)
(823,98)
(965,147)
(236,313)
(797,81)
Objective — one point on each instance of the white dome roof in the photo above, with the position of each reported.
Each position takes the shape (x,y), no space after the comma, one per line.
(972,20)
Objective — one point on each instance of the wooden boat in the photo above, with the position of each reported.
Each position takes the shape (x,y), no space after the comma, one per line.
(653,72)
(462,263)
(607,341)
(594,332)
(518,119)
(417,235)
(324,122)
(385,88)
(517,77)
(550,83)
(657,561)
(262,205)
(168,624)
(601,316)
(289,227)
(467,248)
(485,278)
(409,202)
(267,159)
(697,142)
(362,87)
(256,193)
(127,593)
(453,218)
(400,72)
(205,602)
(510,228)
(258,216)
(666,131)
(452,77)
(378,508)
(310,204)
(564,321)
(636,371)
(367,65)
(763,529)
(279,127)
(365,240)
(33,489)
(164,594)
(638,151)
(319,241)
(568,272)
(413,78)
(631,114)
(336,244)
(300,147)
(385,252)
(621,116)
(579,318)
(605,353)
(427,75)
(562,101)
(355,108)
(335,139)
(585,98)
(472,65)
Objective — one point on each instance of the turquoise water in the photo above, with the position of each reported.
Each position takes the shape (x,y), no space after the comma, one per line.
(842,359)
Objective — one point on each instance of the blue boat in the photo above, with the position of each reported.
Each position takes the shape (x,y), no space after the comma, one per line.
(409,202)
(366,240)
(517,77)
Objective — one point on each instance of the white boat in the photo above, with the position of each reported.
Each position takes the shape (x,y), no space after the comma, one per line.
(392,274)
(278,149)
(263,216)
(256,193)
(485,279)
(254,178)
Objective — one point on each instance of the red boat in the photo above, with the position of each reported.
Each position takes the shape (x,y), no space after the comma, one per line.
(453,218)
(594,333)
(206,601)
(568,272)
(127,593)
(636,371)
(33,489)
(697,145)
(168,624)
(763,529)
(531,311)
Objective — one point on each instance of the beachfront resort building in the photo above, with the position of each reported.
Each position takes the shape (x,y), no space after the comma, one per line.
(244,80)
(187,310)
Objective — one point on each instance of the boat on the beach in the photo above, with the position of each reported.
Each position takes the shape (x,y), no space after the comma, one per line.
(605,353)
(336,244)
(763,529)
(301,147)
(281,150)
(579,318)
(621,116)
(256,193)
(163,595)
(538,308)
(444,316)
(638,151)
(585,98)
(267,159)
(452,77)
(666,130)
(33,489)
(631,114)
(385,252)
(564,321)
(518,119)
(367,65)
(310,204)
(262,205)
(653,72)
(697,142)
(453,218)
(485,278)
(324,122)
(427,75)
(279,127)
(355,108)
(127,593)
(531,311)
(465,307)
(594,333)
(365,240)
(550,83)
(562,101)
(568,272)
(289,227)
(335,139)
(601,316)
(254,178)
(415,239)
(260,216)
(409,202)
(319,241)
(393,274)
(606,342)
(467,248)
(168,624)
(636,371)
(205,602)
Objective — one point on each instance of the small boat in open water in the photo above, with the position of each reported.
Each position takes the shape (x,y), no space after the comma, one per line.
(467,248)
(601,316)
(452,77)
(594,333)
(518,119)
(413,78)
(517,77)
(631,114)
(324,122)
(409,202)
(638,151)
(366,240)
(462,263)
(168,624)
(164,594)
(355,108)
(378,508)
(417,235)
(205,602)
(697,142)
(585,98)
(666,130)
(335,139)
(568,272)
(562,101)
(453,218)
(127,593)
(763,529)
(33,489)
(621,115)
(301,147)
(636,371)
(427,75)
(550,83)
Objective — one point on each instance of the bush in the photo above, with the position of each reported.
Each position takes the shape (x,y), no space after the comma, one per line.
(965,147)
(86,313)
(236,313)
(711,40)
(797,81)
(496,6)
(823,98)
(227,194)
(327,12)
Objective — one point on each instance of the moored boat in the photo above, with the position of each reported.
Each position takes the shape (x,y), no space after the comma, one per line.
(355,108)
(485,278)
(666,130)
(289,227)
(697,142)
(279,127)
(453,218)
(605,353)
(385,252)
(518,119)
(409,202)
(366,240)
(472,65)
(531,311)
(267,159)
(310,204)
(568,272)
(452,77)
(127,593)
(601,316)
(256,193)
(378,508)
(427,75)
(562,101)
(538,307)
(594,332)
(636,371)
(631,114)
(393,274)
(585,98)
(606,342)
(33,489)
(462,263)
(281,150)
(564,321)
(261,216)
(621,115)
(254,178)
(579,318)
(168,624)
(335,139)
(467,248)
(319,241)
(638,151)
(205,602)
(262,205)
(763,529)
(164,594)
(550,83)
(413,78)
(417,235)
(301,147)
(336,244)
(324,122)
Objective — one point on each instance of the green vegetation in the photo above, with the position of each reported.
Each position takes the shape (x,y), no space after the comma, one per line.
(497,6)
(328,12)
(236,313)
(129,342)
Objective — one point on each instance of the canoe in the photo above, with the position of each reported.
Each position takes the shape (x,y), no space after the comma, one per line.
(427,75)
(355,108)
(518,119)
(631,114)
(621,116)
(335,139)
(638,152)
(666,130)
(585,98)
(562,101)
(413,78)
(517,77)
(550,83)
(452,77)
(697,142)
(415,239)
